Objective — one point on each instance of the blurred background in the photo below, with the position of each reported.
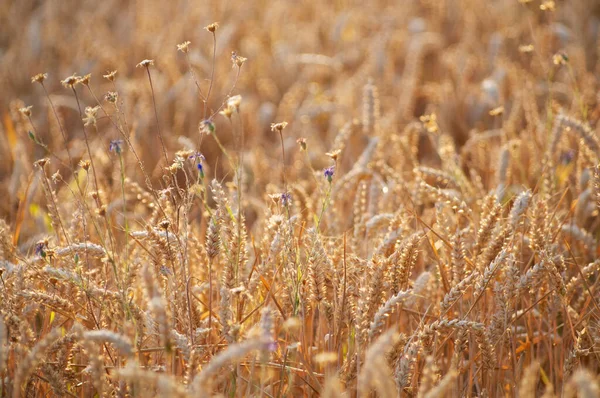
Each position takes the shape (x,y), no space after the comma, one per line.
(307,64)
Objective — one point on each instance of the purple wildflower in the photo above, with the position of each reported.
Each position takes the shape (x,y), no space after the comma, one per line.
(115,146)
(567,156)
(198,158)
(329,173)
(272,346)
(207,126)
(165,271)
(286,199)
(40,248)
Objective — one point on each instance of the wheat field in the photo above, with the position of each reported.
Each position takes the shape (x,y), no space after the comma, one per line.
(299,198)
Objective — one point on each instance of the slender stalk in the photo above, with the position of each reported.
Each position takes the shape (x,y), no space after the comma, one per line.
(212,74)
(162,142)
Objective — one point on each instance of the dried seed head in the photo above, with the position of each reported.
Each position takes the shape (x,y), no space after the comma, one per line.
(278,126)
(526,48)
(227,112)
(112,97)
(430,122)
(173,168)
(84,164)
(110,76)
(548,5)
(50,253)
(42,162)
(184,47)
(85,80)
(237,59)
(90,115)
(334,155)
(70,81)
(560,59)
(164,224)
(101,211)
(39,78)
(212,28)
(145,63)
(234,102)
(302,143)
(56,177)
(26,111)
(497,111)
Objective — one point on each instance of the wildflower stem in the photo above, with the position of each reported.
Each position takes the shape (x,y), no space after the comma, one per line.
(237,76)
(121,163)
(187,57)
(282,161)
(60,126)
(212,73)
(87,142)
(162,142)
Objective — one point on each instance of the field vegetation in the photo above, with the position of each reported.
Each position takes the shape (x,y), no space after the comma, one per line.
(302,199)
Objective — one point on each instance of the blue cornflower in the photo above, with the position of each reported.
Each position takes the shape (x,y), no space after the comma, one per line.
(207,126)
(40,248)
(286,199)
(567,156)
(115,146)
(329,173)
(198,158)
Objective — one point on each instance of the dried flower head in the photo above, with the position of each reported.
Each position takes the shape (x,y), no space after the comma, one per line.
(302,142)
(526,48)
(164,224)
(110,76)
(56,177)
(334,155)
(227,112)
(548,5)
(70,81)
(84,164)
(115,146)
(39,78)
(184,153)
(212,28)
(430,123)
(237,59)
(101,211)
(278,126)
(85,80)
(112,97)
(560,58)
(90,115)
(234,102)
(42,162)
(145,63)
(26,111)
(184,47)
(499,110)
